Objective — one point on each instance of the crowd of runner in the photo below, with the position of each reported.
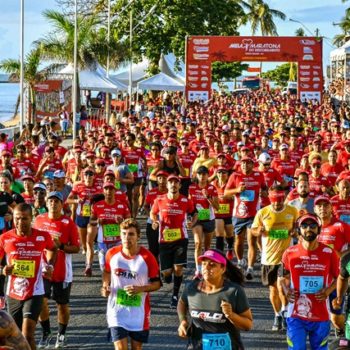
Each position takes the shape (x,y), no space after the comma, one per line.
(259,170)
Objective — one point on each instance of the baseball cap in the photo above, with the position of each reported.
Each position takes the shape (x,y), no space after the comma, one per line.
(245,148)
(90,154)
(109,172)
(322,198)
(213,256)
(108,184)
(173,177)
(27,177)
(39,186)
(284,146)
(59,174)
(204,147)
(264,158)
(116,152)
(6,153)
(89,169)
(202,170)
(221,168)
(315,161)
(247,159)
(100,161)
(309,216)
(221,155)
(55,194)
(162,173)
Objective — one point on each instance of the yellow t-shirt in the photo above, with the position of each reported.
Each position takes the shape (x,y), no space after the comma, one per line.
(277,226)
(209,163)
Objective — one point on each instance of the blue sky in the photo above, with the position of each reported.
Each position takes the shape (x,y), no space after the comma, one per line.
(312,13)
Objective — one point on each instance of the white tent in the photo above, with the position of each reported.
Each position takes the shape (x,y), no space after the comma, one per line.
(95,80)
(139,72)
(172,68)
(161,82)
(341,52)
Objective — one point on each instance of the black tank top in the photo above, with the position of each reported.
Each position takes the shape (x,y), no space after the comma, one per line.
(175,170)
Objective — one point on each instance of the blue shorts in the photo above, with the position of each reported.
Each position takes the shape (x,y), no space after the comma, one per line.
(119,333)
(298,330)
(240,224)
(331,297)
(82,221)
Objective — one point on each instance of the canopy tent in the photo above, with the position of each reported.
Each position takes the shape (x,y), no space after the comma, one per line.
(95,80)
(161,82)
(167,65)
(340,70)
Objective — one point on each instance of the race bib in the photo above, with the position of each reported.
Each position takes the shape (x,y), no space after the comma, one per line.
(150,169)
(310,284)
(278,234)
(216,341)
(203,214)
(224,208)
(345,218)
(128,300)
(187,171)
(2,223)
(117,185)
(110,231)
(247,196)
(171,234)
(23,268)
(86,210)
(133,168)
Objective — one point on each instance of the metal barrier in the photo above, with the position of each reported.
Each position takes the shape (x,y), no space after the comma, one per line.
(11,131)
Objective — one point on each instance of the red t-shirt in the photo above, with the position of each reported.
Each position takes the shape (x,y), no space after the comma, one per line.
(187,161)
(286,168)
(336,235)
(310,272)
(204,209)
(85,193)
(133,158)
(172,217)
(331,172)
(64,230)
(23,167)
(27,254)
(341,208)
(225,205)
(316,184)
(246,202)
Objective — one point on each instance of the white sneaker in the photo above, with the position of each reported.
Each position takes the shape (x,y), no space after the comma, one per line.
(242,264)
(60,341)
(249,274)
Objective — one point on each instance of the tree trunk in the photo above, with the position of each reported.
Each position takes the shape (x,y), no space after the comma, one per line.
(17,105)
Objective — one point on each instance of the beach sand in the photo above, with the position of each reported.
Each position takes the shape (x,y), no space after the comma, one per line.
(14,121)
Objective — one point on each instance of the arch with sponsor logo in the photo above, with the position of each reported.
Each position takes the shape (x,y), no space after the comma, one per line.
(201,51)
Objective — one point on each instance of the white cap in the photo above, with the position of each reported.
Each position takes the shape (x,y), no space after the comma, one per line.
(284,146)
(264,158)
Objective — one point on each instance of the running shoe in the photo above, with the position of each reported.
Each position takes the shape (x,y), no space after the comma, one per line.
(60,341)
(249,275)
(44,342)
(88,272)
(277,323)
(2,303)
(230,255)
(284,320)
(339,333)
(173,302)
(242,264)
(197,276)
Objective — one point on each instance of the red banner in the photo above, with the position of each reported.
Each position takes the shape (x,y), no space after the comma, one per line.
(253,69)
(201,51)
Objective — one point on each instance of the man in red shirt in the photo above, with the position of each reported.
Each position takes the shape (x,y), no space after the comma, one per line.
(25,249)
(64,233)
(169,213)
(341,201)
(307,277)
(245,186)
(319,184)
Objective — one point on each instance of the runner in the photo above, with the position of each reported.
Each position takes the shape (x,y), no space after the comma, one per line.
(307,284)
(304,203)
(65,235)
(168,214)
(205,199)
(24,247)
(341,201)
(275,224)
(106,216)
(130,274)
(245,186)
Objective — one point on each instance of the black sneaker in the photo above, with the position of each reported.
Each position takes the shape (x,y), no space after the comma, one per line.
(45,341)
(174,301)
(284,320)
(339,333)
(277,323)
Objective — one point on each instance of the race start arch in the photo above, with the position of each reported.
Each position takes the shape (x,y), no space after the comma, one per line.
(201,51)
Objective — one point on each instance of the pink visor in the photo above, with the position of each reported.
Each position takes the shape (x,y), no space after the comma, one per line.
(214,256)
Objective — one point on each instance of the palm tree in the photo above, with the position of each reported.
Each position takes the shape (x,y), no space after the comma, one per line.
(344,25)
(32,75)
(58,45)
(261,16)
(300,32)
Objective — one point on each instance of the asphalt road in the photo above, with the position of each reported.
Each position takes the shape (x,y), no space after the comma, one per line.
(88,328)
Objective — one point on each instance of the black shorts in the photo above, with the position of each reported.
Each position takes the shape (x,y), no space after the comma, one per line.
(269,274)
(58,291)
(137,182)
(185,184)
(29,308)
(227,221)
(174,253)
(82,221)
(119,333)
(153,240)
(241,224)
(208,226)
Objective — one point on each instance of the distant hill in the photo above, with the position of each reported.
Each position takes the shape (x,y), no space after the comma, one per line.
(4,78)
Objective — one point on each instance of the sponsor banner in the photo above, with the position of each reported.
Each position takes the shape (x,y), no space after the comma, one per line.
(201,51)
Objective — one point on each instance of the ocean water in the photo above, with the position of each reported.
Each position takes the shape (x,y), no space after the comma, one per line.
(8,98)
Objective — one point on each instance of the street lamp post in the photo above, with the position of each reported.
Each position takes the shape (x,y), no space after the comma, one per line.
(317,31)
(108,100)
(130,67)
(75,73)
(22,66)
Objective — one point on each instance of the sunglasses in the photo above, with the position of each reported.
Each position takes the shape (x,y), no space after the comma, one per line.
(266,164)
(89,173)
(305,225)
(316,166)
(101,164)
(39,191)
(222,172)
(154,149)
